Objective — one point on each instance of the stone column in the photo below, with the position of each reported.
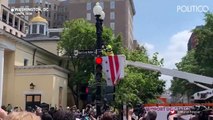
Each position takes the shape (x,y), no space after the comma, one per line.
(1,72)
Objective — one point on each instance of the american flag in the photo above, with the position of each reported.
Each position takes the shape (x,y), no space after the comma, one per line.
(113,68)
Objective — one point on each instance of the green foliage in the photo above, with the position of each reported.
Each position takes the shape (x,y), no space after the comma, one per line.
(139,85)
(204,49)
(182,87)
(79,34)
(197,61)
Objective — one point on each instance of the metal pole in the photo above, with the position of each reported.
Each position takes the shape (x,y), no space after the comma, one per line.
(99,30)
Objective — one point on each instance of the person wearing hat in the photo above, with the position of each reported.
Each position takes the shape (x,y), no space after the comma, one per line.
(108,51)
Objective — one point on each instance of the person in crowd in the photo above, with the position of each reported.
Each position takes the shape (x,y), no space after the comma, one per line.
(107,116)
(3,107)
(21,116)
(88,108)
(174,114)
(60,108)
(151,115)
(92,114)
(30,109)
(52,111)
(38,111)
(63,115)
(3,114)
(9,108)
(68,108)
(16,109)
(45,115)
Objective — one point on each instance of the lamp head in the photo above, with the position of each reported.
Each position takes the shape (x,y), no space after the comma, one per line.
(32,86)
(97,10)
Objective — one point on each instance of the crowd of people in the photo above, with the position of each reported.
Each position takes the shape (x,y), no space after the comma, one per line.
(88,113)
(69,113)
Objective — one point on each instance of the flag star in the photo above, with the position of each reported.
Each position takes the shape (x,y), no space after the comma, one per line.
(108,78)
(106,62)
(107,70)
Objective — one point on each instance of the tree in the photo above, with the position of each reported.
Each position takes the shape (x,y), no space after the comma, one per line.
(181,87)
(198,61)
(139,85)
(204,49)
(79,34)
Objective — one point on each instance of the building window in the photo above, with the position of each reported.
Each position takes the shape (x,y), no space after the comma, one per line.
(49,14)
(12,1)
(41,29)
(112,4)
(4,16)
(88,16)
(21,25)
(102,4)
(26,62)
(16,23)
(16,34)
(54,6)
(89,6)
(34,29)
(112,25)
(11,31)
(112,15)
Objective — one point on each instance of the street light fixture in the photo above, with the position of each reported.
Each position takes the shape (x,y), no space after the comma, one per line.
(97,10)
(100,15)
(32,86)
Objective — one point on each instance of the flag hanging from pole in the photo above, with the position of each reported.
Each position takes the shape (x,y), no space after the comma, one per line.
(113,68)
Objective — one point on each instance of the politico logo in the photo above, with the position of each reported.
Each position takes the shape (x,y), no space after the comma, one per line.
(192,8)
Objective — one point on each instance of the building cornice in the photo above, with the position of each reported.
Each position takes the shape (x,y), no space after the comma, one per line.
(44,67)
(27,43)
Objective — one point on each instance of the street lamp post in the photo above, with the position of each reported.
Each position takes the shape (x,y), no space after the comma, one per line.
(99,14)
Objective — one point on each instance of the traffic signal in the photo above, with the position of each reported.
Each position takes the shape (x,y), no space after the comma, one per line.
(98,74)
(84,90)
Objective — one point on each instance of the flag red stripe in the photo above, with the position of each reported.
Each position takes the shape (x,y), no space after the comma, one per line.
(116,64)
(117,69)
(111,65)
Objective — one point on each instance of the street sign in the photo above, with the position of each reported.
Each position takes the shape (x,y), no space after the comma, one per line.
(84,52)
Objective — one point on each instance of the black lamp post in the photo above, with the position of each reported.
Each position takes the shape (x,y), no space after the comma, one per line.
(99,14)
